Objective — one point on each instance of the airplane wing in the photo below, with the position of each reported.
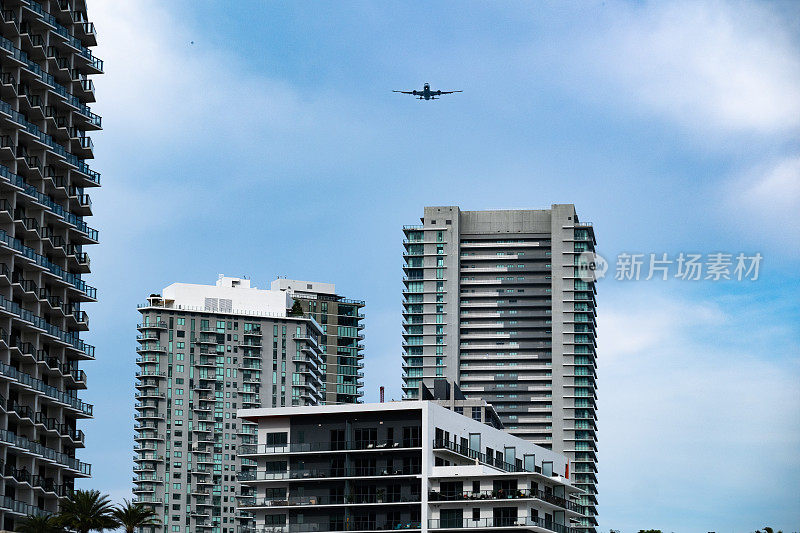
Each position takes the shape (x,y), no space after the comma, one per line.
(404,92)
(449,92)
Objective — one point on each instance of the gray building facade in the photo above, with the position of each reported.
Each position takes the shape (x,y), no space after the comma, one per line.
(45,64)
(500,303)
(204,352)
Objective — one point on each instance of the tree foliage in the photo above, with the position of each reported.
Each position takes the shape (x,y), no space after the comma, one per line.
(39,524)
(297,309)
(87,510)
(135,515)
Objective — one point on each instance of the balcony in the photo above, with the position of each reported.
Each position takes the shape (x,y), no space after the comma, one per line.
(478,456)
(153,478)
(207,339)
(354,526)
(149,347)
(152,325)
(149,500)
(151,374)
(302,501)
(434,496)
(324,473)
(498,523)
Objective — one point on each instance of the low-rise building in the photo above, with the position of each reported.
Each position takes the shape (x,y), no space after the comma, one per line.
(412,465)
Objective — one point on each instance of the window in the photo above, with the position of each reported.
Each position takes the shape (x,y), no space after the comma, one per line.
(277,439)
(451,518)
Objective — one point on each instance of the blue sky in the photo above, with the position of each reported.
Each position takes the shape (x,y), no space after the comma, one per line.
(263,139)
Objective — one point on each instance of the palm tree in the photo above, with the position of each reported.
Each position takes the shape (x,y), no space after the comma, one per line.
(45,523)
(87,510)
(135,515)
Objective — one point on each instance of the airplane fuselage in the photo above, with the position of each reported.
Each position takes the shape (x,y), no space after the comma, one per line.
(426,93)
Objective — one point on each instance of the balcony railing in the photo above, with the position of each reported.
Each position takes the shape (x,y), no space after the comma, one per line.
(27,316)
(481,457)
(46,200)
(21,508)
(353,525)
(23,476)
(47,390)
(492,523)
(265,449)
(319,473)
(325,500)
(434,496)
(49,453)
(152,325)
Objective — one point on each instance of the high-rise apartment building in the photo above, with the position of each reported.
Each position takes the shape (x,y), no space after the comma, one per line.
(45,64)
(502,303)
(342,336)
(204,352)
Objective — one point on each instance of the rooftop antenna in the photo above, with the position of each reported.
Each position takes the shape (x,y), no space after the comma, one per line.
(382,392)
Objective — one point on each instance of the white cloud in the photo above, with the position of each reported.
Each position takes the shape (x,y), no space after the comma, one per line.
(727,73)
(763,203)
(777,187)
(164,82)
(719,67)
(627,333)
(696,395)
(169,91)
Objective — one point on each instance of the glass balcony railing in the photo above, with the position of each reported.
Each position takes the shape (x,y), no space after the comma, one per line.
(47,390)
(299,501)
(500,522)
(435,496)
(64,32)
(265,449)
(70,278)
(18,507)
(480,457)
(355,525)
(321,473)
(47,140)
(49,453)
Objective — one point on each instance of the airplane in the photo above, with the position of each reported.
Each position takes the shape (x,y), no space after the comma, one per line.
(426,93)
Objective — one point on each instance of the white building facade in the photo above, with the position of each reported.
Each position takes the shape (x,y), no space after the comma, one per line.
(412,465)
